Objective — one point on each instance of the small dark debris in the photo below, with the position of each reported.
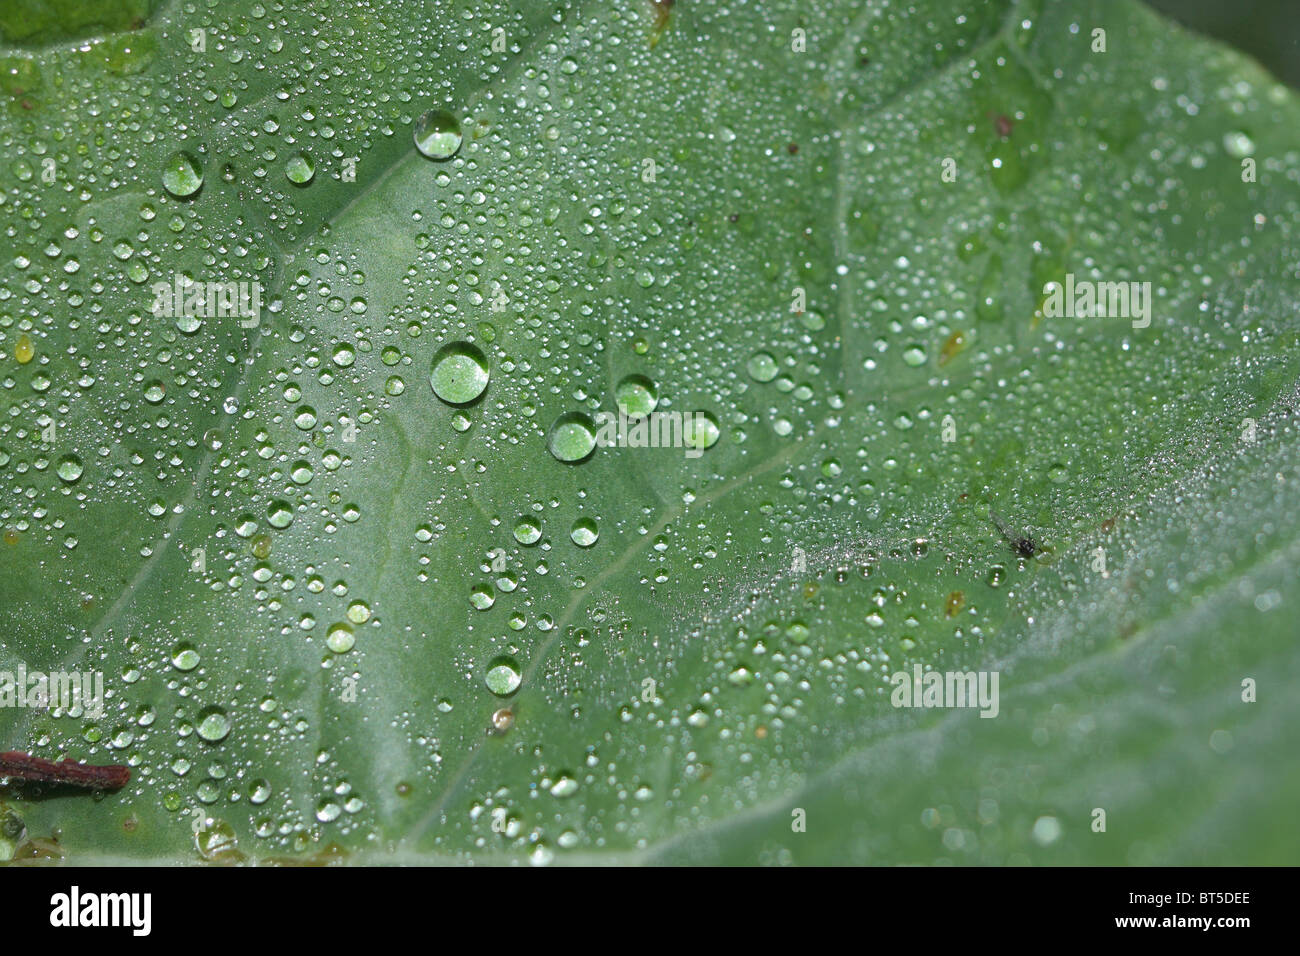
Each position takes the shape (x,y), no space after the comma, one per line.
(1024,545)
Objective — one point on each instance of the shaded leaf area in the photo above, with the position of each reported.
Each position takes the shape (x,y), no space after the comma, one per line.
(339,617)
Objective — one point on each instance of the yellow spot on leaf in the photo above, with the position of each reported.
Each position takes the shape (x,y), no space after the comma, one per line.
(956,342)
(24,351)
(955,601)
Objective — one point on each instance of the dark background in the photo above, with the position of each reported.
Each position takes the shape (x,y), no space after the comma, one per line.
(1268,30)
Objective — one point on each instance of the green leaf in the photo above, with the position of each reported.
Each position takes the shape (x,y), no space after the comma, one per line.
(339,614)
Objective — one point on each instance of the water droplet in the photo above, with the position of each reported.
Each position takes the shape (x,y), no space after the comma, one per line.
(185,657)
(700,430)
(573,437)
(300,169)
(70,468)
(437,134)
(214,725)
(459,373)
(24,351)
(584,533)
(503,676)
(1238,144)
(279,514)
(340,638)
(527,531)
(564,786)
(762,367)
(261,547)
(182,174)
(636,396)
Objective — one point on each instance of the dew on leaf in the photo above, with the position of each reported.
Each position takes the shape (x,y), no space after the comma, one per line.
(459,373)
(437,134)
(572,437)
(214,724)
(182,174)
(584,532)
(185,657)
(503,676)
(70,468)
(636,396)
(527,531)
(300,169)
(340,638)
(761,367)
(700,430)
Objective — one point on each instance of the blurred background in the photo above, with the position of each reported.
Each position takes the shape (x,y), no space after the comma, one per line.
(1268,30)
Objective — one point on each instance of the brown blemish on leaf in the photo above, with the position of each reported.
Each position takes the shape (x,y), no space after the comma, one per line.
(954,603)
(1003,124)
(663,13)
(956,342)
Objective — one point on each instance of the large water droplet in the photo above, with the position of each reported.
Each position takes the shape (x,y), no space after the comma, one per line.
(527,531)
(437,134)
(279,513)
(700,430)
(185,657)
(70,468)
(762,367)
(300,169)
(459,373)
(340,638)
(214,725)
(182,174)
(573,437)
(503,676)
(584,533)
(636,396)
